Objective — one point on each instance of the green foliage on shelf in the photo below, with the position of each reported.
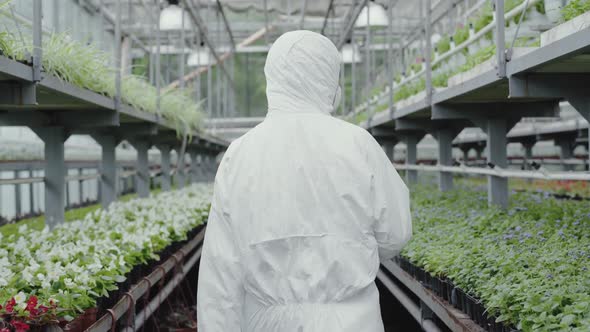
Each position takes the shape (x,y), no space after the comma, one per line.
(444,45)
(361,117)
(440,80)
(461,35)
(409,89)
(381,108)
(511,4)
(529,264)
(540,7)
(483,18)
(87,67)
(477,58)
(415,67)
(81,65)
(575,8)
(376,90)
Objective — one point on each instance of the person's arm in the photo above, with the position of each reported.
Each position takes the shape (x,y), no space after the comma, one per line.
(391,205)
(220,292)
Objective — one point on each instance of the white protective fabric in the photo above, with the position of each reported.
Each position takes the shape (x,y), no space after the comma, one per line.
(304,206)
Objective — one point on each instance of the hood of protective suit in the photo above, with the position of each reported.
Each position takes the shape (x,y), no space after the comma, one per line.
(302,71)
(305,206)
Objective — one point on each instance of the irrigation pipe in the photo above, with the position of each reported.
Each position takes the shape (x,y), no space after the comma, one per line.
(541,174)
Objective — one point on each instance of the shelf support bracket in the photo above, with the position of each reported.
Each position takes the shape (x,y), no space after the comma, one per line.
(165,182)
(55,169)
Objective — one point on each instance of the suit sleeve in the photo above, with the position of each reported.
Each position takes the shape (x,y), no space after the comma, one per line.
(220,292)
(392,224)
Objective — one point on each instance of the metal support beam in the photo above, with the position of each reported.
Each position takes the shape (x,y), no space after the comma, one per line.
(203,28)
(180,169)
(117,55)
(108,169)
(500,38)
(142,177)
(354,14)
(227,27)
(428,52)
(411,157)
(528,154)
(328,12)
(566,151)
(389,148)
(165,183)
(497,129)
(37,39)
(54,138)
(302,18)
(445,157)
(195,169)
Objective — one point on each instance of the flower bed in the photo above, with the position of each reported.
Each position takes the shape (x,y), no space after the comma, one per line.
(47,275)
(528,266)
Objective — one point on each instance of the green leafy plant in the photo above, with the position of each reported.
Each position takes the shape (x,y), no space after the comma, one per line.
(444,45)
(528,264)
(461,35)
(575,8)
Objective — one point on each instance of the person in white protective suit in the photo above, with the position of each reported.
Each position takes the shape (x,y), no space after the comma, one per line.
(304,207)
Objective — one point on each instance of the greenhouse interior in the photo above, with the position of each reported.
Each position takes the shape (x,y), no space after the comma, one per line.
(116,114)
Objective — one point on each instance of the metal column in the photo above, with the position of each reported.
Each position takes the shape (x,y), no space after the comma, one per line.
(566,152)
(497,156)
(465,155)
(165,183)
(528,153)
(180,169)
(445,157)
(195,170)
(388,148)
(108,170)
(142,178)
(500,38)
(411,157)
(54,138)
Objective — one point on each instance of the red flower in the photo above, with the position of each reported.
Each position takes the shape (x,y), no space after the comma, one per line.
(31,303)
(4,329)
(10,305)
(42,309)
(20,326)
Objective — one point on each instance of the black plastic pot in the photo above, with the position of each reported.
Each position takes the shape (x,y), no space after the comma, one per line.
(455,301)
(444,284)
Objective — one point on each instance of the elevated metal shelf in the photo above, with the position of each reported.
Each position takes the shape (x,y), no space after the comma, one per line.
(55,109)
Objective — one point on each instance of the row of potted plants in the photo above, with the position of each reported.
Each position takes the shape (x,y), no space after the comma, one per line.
(410,85)
(48,275)
(527,266)
(88,67)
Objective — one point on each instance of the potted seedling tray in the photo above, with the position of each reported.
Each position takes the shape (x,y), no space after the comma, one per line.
(460,299)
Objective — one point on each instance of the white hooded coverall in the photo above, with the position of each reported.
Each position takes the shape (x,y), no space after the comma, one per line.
(304,207)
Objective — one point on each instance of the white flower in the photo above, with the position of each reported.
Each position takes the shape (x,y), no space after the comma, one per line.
(20,298)
(69,283)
